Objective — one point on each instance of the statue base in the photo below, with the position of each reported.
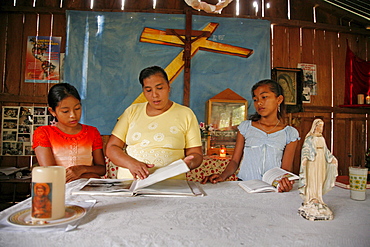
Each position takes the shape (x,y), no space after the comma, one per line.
(315,211)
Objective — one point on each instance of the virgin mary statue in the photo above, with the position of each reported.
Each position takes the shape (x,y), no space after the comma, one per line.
(318,171)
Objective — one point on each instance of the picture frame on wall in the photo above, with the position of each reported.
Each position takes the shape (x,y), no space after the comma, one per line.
(18,125)
(290,80)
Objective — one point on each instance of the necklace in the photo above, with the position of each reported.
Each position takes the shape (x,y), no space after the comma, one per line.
(268,131)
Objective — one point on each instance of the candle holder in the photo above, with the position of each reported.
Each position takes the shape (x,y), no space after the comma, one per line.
(48,193)
(368,99)
(222,151)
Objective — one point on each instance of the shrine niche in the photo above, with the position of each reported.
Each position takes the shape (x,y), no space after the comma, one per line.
(225,111)
(357,79)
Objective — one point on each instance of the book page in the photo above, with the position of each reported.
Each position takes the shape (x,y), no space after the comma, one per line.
(11,170)
(274,175)
(175,168)
(97,186)
(170,187)
(256,185)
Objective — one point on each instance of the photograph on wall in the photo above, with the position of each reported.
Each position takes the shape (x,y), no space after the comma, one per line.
(39,111)
(10,124)
(19,124)
(28,150)
(10,112)
(42,59)
(23,129)
(309,81)
(12,148)
(9,135)
(39,120)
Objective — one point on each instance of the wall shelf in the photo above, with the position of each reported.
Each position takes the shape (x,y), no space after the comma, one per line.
(355,106)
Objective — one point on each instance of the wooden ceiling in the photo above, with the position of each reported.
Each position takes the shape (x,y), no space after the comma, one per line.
(344,13)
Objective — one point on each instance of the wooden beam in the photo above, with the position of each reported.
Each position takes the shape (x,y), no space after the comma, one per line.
(181,32)
(274,21)
(337,109)
(11,98)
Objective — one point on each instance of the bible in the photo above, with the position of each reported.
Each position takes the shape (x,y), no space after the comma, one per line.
(269,183)
(156,184)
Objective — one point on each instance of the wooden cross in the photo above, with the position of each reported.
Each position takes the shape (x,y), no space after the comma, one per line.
(192,41)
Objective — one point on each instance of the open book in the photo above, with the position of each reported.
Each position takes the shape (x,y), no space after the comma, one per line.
(156,184)
(269,183)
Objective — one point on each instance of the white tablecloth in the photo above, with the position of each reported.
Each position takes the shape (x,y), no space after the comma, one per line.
(227,216)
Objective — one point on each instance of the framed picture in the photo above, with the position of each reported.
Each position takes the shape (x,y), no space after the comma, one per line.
(19,123)
(290,80)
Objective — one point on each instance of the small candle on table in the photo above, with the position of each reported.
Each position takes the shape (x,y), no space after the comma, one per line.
(222,151)
(48,193)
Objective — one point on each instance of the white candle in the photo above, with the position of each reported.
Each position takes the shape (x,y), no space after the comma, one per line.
(48,192)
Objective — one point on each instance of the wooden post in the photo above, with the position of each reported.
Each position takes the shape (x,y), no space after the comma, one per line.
(187,57)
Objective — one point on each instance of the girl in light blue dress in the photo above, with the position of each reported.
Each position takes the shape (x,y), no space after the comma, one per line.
(264,141)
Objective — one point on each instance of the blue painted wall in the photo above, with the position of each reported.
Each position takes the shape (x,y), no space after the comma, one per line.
(104,58)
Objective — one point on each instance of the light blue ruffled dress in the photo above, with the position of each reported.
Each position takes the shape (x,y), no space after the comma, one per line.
(263,151)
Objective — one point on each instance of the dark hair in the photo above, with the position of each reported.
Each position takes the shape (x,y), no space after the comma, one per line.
(147,72)
(60,91)
(275,88)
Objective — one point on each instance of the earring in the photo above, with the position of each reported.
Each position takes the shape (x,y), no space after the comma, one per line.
(279,108)
(53,122)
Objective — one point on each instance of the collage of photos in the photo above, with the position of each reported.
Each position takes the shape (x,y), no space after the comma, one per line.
(18,125)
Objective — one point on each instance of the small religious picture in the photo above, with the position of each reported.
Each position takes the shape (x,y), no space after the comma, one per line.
(41,200)
(290,79)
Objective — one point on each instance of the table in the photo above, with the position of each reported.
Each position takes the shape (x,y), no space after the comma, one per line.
(227,216)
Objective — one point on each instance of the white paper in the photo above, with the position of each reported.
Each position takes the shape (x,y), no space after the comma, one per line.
(175,168)
(276,174)
(11,170)
(270,181)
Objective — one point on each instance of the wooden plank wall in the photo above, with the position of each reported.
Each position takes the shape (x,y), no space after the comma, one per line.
(292,41)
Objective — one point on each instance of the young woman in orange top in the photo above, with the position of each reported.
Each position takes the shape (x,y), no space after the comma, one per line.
(77,147)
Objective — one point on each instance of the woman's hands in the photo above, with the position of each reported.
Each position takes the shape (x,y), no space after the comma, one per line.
(285,185)
(214,178)
(73,173)
(79,171)
(139,170)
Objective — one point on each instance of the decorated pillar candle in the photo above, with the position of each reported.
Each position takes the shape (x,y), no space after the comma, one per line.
(360,99)
(48,193)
